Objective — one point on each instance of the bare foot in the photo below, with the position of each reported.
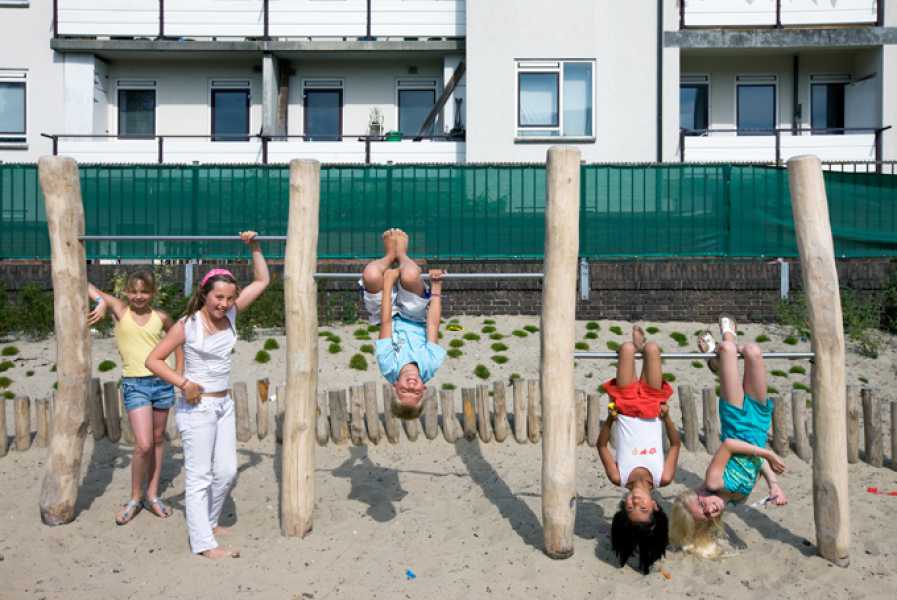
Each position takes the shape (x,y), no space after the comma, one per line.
(638,338)
(401,243)
(389,243)
(219,552)
(220,531)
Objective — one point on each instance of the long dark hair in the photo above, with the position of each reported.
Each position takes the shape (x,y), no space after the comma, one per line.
(198,299)
(650,539)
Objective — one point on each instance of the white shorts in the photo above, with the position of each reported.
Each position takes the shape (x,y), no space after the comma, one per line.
(407,305)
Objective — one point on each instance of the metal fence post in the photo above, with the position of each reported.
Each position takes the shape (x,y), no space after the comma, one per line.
(681,145)
(161,19)
(584,284)
(160,156)
(784,278)
(778,148)
(188,278)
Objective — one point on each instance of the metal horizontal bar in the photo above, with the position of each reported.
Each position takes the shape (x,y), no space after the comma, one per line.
(692,355)
(178,238)
(447,275)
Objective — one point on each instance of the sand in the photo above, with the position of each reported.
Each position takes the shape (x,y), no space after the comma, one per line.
(427,519)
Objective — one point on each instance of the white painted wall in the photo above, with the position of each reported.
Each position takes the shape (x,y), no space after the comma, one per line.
(318,18)
(436,18)
(739,13)
(450,64)
(108,17)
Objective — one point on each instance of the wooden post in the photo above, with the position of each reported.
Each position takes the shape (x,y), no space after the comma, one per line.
(780,431)
(557,339)
(431,414)
(581,410)
(820,283)
(42,414)
(593,426)
(301,297)
(281,395)
(110,407)
(339,426)
(500,411)
(95,410)
(371,414)
(871,427)
(390,422)
(241,411)
(853,424)
(533,411)
(61,187)
(483,423)
(4,438)
(23,423)
(518,390)
(894,435)
(356,408)
(449,420)
(799,419)
(711,420)
(468,403)
(689,418)
(322,422)
(262,407)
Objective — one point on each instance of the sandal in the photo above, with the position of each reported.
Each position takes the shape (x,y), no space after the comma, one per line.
(727,325)
(131,509)
(707,345)
(157,507)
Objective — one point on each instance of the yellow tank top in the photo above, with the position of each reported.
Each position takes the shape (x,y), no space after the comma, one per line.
(136,342)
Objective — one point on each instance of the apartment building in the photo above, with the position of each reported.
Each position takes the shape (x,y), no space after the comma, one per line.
(446,81)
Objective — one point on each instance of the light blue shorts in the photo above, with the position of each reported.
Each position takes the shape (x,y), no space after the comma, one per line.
(747,424)
(146,391)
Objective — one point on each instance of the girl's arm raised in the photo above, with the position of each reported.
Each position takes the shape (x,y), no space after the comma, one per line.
(672,458)
(103,300)
(261,278)
(155,362)
(607,458)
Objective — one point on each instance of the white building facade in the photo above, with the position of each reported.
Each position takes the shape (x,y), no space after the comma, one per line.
(446,81)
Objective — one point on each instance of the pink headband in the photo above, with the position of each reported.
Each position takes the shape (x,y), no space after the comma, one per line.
(213,273)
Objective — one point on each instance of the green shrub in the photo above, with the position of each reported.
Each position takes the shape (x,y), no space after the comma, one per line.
(53,368)
(498,347)
(32,313)
(334,348)
(358,362)
(489,322)
(367,348)
(590,335)
(790,340)
(593,326)
(613,346)
(373,328)
(271,344)
(697,364)
(454,321)
(679,338)
(778,373)
(716,389)
(530,328)
(454,353)
(29,373)
(488,329)
(9,395)
(761,338)
(471,336)
(5,382)
(792,313)
(863,379)
(800,386)
(514,377)
(106,365)
(6,365)
(266,312)
(364,335)
(519,333)
(456,343)
(496,336)
(448,386)
(499,359)
(797,370)
(324,333)
(651,329)
(10,351)
(262,357)
(739,332)
(669,377)
(481,371)
(616,329)
(334,339)
(769,390)
(581,346)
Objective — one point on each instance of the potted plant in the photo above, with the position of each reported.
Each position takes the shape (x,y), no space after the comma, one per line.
(375,121)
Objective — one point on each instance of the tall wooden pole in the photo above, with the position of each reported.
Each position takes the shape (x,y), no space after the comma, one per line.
(820,281)
(65,220)
(558,337)
(301,297)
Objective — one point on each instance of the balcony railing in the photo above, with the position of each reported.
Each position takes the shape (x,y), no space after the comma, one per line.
(778,13)
(260,19)
(257,149)
(775,146)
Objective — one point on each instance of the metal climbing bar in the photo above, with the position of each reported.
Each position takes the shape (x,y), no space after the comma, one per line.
(694,355)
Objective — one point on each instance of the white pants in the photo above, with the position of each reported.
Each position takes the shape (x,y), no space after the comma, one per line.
(208,435)
(406,304)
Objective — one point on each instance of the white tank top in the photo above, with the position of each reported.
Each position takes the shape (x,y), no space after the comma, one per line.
(639,443)
(207,358)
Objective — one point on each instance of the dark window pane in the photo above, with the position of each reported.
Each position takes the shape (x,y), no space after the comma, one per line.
(12,107)
(136,113)
(323,120)
(230,115)
(538,102)
(756,109)
(827,107)
(414,106)
(693,107)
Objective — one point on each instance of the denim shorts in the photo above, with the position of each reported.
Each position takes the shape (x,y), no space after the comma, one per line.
(146,391)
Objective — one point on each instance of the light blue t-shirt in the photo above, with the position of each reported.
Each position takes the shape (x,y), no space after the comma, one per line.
(408,344)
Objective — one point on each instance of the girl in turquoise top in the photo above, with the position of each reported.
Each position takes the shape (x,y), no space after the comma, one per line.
(745,414)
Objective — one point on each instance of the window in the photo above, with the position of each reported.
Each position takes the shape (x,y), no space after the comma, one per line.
(416,100)
(694,104)
(756,105)
(323,110)
(555,99)
(12,108)
(230,112)
(827,107)
(136,113)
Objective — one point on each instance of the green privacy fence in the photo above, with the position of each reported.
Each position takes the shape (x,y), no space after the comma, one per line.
(454,211)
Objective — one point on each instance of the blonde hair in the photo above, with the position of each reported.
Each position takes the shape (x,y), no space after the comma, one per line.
(696,537)
(405,411)
(145,277)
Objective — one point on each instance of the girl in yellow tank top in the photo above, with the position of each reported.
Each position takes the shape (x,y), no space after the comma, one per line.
(147,399)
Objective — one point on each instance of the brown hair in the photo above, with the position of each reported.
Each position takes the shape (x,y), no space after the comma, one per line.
(199,294)
(145,277)
(405,411)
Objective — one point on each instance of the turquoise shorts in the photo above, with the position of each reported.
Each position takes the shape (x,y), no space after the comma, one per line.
(750,424)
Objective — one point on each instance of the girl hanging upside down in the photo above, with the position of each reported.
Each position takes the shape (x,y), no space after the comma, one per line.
(637,409)
(745,414)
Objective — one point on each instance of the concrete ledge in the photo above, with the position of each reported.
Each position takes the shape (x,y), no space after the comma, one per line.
(844,37)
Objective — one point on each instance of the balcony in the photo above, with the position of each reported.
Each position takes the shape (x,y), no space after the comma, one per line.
(779,13)
(191,149)
(777,146)
(260,19)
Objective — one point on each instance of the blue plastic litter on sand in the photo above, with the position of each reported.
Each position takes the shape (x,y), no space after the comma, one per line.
(409,574)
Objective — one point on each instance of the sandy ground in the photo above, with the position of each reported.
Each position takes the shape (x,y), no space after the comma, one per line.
(463,518)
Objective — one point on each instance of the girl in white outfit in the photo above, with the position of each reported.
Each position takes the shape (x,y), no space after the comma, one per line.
(205,412)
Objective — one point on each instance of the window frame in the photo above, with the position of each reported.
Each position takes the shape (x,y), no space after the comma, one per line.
(416,84)
(320,84)
(552,65)
(757,80)
(230,86)
(828,79)
(16,139)
(695,80)
(132,86)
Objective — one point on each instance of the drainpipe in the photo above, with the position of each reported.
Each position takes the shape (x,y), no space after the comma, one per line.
(660,80)
(795,95)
